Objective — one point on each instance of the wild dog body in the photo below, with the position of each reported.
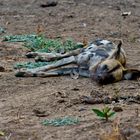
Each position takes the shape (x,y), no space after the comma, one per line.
(101,60)
(104,60)
(99,51)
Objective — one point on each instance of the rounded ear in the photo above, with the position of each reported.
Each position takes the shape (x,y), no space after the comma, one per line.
(119,54)
(131,74)
(117,51)
(118,48)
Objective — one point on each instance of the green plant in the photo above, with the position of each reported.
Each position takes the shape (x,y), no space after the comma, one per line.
(30,65)
(61,121)
(42,44)
(105,113)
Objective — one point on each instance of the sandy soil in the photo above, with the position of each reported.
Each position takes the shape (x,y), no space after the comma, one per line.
(59,96)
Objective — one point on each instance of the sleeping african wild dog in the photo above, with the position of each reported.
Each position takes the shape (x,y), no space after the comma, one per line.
(101,60)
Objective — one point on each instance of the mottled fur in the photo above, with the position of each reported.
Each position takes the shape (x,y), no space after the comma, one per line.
(101,60)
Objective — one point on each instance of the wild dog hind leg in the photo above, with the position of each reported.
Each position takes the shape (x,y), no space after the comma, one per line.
(57,64)
(58,72)
(52,56)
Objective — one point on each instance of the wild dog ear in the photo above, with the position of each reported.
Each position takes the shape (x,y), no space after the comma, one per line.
(131,74)
(117,52)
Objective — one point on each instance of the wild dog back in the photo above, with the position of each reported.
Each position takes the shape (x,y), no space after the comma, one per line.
(98,51)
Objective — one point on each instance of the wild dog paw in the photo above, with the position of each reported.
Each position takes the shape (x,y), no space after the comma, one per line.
(24,73)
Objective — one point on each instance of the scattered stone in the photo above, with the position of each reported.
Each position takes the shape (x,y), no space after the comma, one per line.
(43,82)
(2,69)
(114,34)
(75,89)
(90,100)
(60,94)
(137,97)
(74,101)
(107,100)
(49,4)
(96,94)
(131,87)
(117,109)
(61,100)
(125,14)
(40,113)
(82,109)
(70,16)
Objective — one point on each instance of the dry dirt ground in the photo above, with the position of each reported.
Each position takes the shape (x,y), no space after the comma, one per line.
(58,96)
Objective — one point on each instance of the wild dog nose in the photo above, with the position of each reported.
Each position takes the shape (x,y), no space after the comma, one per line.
(99,77)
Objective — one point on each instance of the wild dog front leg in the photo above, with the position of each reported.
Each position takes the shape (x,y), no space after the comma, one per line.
(52,56)
(44,56)
(64,71)
(58,72)
(57,64)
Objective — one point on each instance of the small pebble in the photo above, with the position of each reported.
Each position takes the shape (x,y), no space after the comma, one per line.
(49,4)
(2,69)
(118,109)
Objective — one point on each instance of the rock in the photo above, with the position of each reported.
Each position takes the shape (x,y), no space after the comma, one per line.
(107,100)
(75,89)
(82,109)
(40,113)
(61,100)
(118,109)
(125,14)
(90,100)
(2,69)
(49,4)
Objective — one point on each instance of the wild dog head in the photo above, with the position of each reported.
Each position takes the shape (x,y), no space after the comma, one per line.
(113,69)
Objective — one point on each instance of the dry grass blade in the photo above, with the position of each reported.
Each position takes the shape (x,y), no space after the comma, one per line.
(115,133)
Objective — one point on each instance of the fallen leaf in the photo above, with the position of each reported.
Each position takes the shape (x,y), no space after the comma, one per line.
(2,133)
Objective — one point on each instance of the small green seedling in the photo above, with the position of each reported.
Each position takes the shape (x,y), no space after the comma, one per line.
(105,113)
